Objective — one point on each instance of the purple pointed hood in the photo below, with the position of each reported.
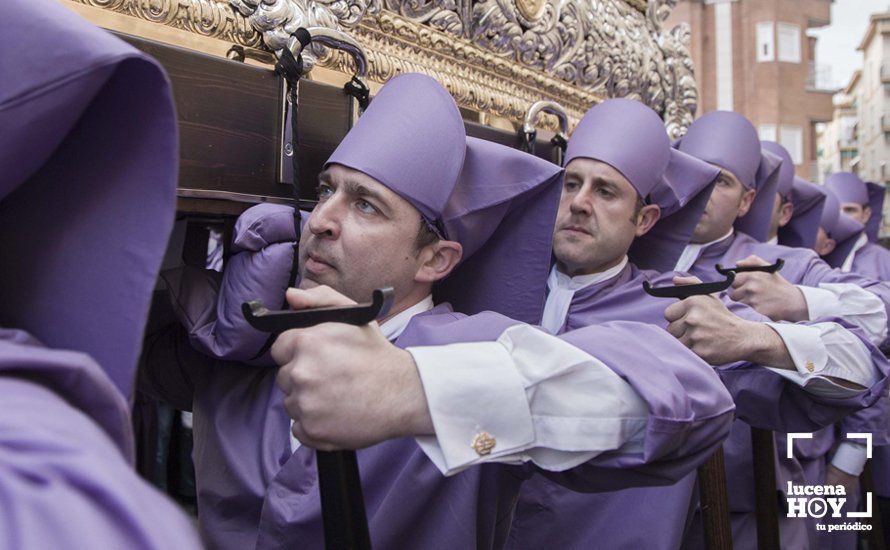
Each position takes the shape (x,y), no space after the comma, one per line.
(809,201)
(843,229)
(412,140)
(499,203)
(729,141)
(502,212)
(631,138)
(849,188)
(785,183)
(88,153)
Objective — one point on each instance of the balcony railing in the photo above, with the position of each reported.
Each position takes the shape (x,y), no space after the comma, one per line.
(847,144)
(819,78)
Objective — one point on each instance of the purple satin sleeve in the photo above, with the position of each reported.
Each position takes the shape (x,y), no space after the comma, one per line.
(690,411)
(259,269)
(66,477)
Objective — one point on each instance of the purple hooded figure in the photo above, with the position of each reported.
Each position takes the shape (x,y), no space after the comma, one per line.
(603,161)
(86,204)
(862,202)
(809,201)
(257,486)
(729,141)
(843,230)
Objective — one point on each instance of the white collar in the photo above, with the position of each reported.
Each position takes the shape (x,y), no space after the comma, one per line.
(774,240)
(562,290)
(848,262)
(558,279)
(692,251)
(393,327)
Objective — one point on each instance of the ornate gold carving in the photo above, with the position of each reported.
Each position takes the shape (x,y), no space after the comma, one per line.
(214,18)
(495,56)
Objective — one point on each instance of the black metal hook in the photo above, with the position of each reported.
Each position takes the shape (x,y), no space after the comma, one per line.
(685,291)
(278,321)
(772,268)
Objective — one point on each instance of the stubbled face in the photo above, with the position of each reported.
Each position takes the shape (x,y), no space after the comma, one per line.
(856,211)
(824,244)
(596,221)
(729,201)
(359,237)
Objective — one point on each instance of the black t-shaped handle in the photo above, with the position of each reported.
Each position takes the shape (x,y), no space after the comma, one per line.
(772,268)
(685,291)
(278,321)
(340,486)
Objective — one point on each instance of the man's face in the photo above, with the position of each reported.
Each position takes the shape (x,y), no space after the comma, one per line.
(598,218)
(729,200)
(360,237)
(856,211)
(824,244)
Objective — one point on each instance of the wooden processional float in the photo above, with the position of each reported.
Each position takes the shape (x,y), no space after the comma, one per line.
(523,73)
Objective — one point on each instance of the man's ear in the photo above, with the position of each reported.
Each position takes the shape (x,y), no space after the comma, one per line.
(438,260)
(785,213)
(746,201)
(866,214)
(826,247)
(647,218)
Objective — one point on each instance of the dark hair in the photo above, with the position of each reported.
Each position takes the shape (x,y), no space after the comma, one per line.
(425,236)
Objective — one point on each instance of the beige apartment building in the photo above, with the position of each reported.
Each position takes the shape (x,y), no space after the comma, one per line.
(857,139)
(873,99)
(754,57)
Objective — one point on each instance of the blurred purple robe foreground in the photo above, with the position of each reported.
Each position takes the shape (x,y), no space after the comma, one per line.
(88,157)
(66,449)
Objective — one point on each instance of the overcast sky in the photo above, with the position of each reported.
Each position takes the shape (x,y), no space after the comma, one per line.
(837,42)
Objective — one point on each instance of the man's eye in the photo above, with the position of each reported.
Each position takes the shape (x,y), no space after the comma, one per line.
(571,185)
(605,193)
(324,192)
(365,207)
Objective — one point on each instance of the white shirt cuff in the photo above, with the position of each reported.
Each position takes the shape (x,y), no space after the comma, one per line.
(820,302)
(850,458)
(813,361)
(529,396)
(851,303)
(472,391)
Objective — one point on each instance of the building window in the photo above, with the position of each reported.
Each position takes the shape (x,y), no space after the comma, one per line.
(767,132)
(791,138)
(789,42)
(766,50)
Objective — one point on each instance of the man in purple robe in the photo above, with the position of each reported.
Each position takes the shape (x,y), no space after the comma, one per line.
(829,458)
(864,202)
(629,200)
(737,220)
(408,201)
(87,198)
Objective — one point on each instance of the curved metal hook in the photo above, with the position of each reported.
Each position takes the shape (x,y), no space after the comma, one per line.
(550,107)
(339,40)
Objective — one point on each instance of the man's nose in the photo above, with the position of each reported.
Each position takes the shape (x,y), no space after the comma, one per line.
(581,203)
(325,218)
